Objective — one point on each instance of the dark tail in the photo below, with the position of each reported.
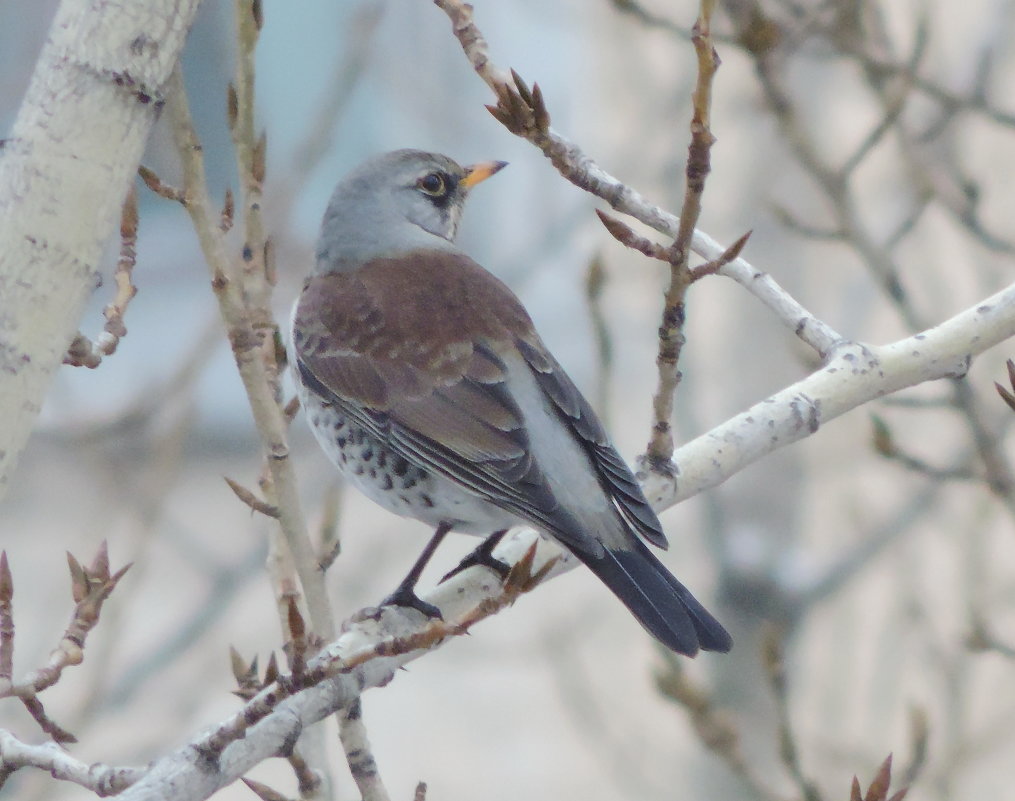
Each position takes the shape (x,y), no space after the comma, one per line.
(662,604)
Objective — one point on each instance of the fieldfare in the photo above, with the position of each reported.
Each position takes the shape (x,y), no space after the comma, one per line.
(426,384)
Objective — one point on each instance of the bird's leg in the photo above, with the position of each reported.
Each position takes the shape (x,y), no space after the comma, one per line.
(483,556)
(405,593)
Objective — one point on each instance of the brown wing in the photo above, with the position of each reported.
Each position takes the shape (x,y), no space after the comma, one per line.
(424,376)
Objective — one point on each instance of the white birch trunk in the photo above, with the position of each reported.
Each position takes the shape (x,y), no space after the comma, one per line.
(64,172)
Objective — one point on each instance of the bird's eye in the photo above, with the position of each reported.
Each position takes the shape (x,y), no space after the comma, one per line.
(432,183)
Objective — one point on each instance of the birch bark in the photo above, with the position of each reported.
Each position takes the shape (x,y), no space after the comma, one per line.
(64,172)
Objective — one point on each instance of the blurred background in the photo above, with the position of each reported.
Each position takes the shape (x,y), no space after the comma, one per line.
(869,146)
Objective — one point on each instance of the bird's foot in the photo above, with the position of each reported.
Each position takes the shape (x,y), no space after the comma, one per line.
(406,597)
(483,556)
(405,594)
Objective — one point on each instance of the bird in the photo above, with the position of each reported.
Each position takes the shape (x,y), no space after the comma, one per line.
(425,382)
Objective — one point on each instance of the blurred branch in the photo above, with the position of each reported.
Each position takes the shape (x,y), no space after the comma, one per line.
(775,668)
(975,101)
(919,732)
(982,638)
(595,282)
(836,183)
(223,583)
(646,17)
(847,565)
(173,390)
(712,725)
(928,153)
(886,446)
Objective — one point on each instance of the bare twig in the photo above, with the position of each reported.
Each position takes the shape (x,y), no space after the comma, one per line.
(245,340)
(853,375)
(228,215)
(91,586)
(159,187)
(920,734)
(103,780)
(249,147)
(626,236)
(308,779)
(330,544)
(244,301)
(337,659)
(885,445)
(715,266)
(251,500)
(50,727)
(531,120)
(82,351)
(659,450)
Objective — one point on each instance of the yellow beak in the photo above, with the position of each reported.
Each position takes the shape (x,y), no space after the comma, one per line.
(476,173)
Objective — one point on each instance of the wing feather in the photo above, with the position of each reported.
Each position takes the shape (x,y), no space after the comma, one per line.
(443,402)
(575,411)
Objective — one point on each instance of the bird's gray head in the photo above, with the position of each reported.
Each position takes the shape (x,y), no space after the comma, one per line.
(393,203)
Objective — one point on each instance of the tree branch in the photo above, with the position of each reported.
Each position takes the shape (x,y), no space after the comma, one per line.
(374,645)
(852,376)
(103,780)
(659,450)
(575,166)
